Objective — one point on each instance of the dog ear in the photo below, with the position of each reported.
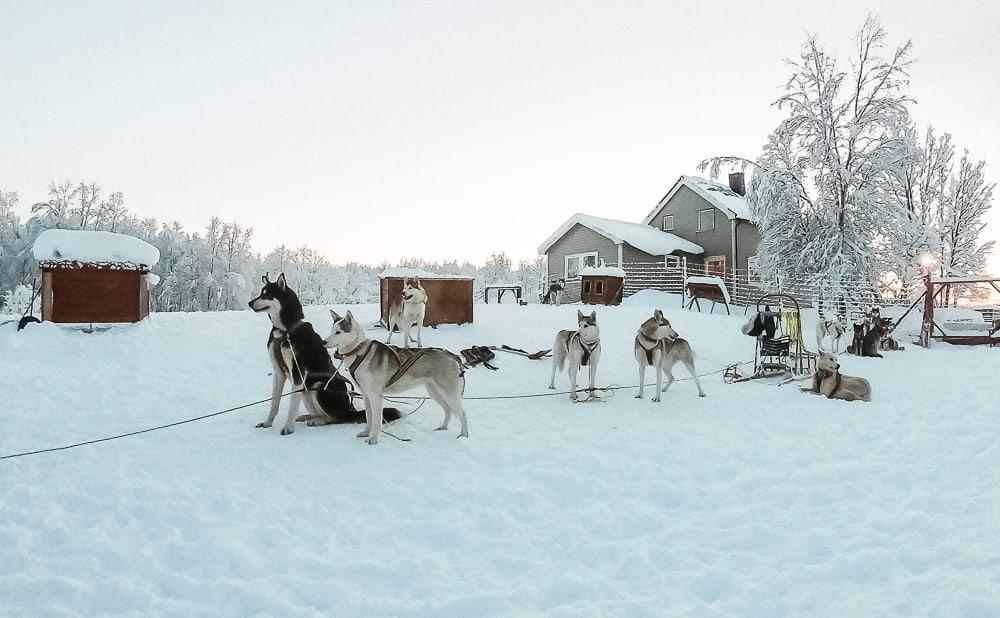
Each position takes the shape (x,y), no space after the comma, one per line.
(593,316)
(334,315)
(579,315)
(657,313)
(265,279)
(281,282)
(416,282)
(348,317)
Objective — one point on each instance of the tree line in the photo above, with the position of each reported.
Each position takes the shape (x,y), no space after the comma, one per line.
(214,269)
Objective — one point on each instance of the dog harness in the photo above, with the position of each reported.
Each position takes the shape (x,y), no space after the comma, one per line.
(404,363)
(649,351)
(588,349)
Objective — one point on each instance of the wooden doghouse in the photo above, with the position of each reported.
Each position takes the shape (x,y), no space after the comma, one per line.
(449,297)
(90,276)
(602,285)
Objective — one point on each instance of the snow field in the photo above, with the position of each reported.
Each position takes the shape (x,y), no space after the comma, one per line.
(758,500)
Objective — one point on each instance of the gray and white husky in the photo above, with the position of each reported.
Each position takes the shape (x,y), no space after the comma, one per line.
(658,345)
(581,348)
(379,369)
(408,311)
(298,354)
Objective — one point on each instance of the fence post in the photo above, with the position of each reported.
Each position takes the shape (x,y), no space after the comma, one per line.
(684,278)
(928,322)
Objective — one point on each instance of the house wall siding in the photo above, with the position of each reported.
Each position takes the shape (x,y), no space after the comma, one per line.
(747,238)
(579,239)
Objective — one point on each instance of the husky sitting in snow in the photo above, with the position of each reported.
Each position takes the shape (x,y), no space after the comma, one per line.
(659,346)
(380,369)
(408,311)
(555,292)
(298,353)
(832,329)
(581,348)
(829,382)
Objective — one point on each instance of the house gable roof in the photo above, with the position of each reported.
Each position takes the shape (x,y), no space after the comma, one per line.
(639,235)
(732,204)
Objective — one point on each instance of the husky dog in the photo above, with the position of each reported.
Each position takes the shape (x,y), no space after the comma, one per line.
(860,330)
(872,341)
(888,342)
(408,311)
(831,328)
(581,347)
(298,353)
(555,292)
(658,345)
(378,369)
(829,382)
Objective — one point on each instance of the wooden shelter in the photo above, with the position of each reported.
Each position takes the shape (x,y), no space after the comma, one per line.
(708,288)
(94,277)
(602,285)
(449,297)
(933,286)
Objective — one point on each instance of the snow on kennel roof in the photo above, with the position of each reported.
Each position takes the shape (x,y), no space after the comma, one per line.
(731,203)
(410,273)
(603,271)
(639,235)
(89,246)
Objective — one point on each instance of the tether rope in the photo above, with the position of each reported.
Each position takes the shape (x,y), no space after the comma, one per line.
(394,399)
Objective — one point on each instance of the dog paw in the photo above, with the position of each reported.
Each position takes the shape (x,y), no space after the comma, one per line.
(464,434)
(287,431)
(363,433)
(655,400)
(302,418)
(441,428)
(372,440)
(262,425)
(638,396)
(702,395)
(552,387)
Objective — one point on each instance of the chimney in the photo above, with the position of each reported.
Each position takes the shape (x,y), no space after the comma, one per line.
(736,183)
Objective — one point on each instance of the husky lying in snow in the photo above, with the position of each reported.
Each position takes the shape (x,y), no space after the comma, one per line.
(658,345)
(408,311)
(298,353)
(829,382)
(379,369)
(581,347)
(832,329)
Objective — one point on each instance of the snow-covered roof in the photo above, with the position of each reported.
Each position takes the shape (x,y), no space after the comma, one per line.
(89,246)
(410,273)
(641,236)
(603,271)
(732,204)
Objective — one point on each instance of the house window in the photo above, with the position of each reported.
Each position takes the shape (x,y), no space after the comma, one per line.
(668,223)
(671,262)
(586,287)
(715,265)
(706,220)
(599,287)
(577,262)
(752,266)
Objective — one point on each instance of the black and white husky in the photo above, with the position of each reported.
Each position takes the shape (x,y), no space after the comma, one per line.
(298,353)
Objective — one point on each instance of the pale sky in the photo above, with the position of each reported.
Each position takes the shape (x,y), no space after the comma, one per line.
(377,131)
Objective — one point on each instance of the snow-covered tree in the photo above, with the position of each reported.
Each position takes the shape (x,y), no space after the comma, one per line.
(821,190)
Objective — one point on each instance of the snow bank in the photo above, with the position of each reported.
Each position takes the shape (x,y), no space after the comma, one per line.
(755,501)
(653,298)
(603,271)
(410,273)
(717,281)
(91,246)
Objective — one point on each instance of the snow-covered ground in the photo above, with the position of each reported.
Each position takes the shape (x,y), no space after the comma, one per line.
(759,500)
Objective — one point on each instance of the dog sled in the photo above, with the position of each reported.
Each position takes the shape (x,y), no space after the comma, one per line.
(780,351)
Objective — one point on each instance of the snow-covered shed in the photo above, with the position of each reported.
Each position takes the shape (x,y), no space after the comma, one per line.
(602,285)
(90,276)
(449,297)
